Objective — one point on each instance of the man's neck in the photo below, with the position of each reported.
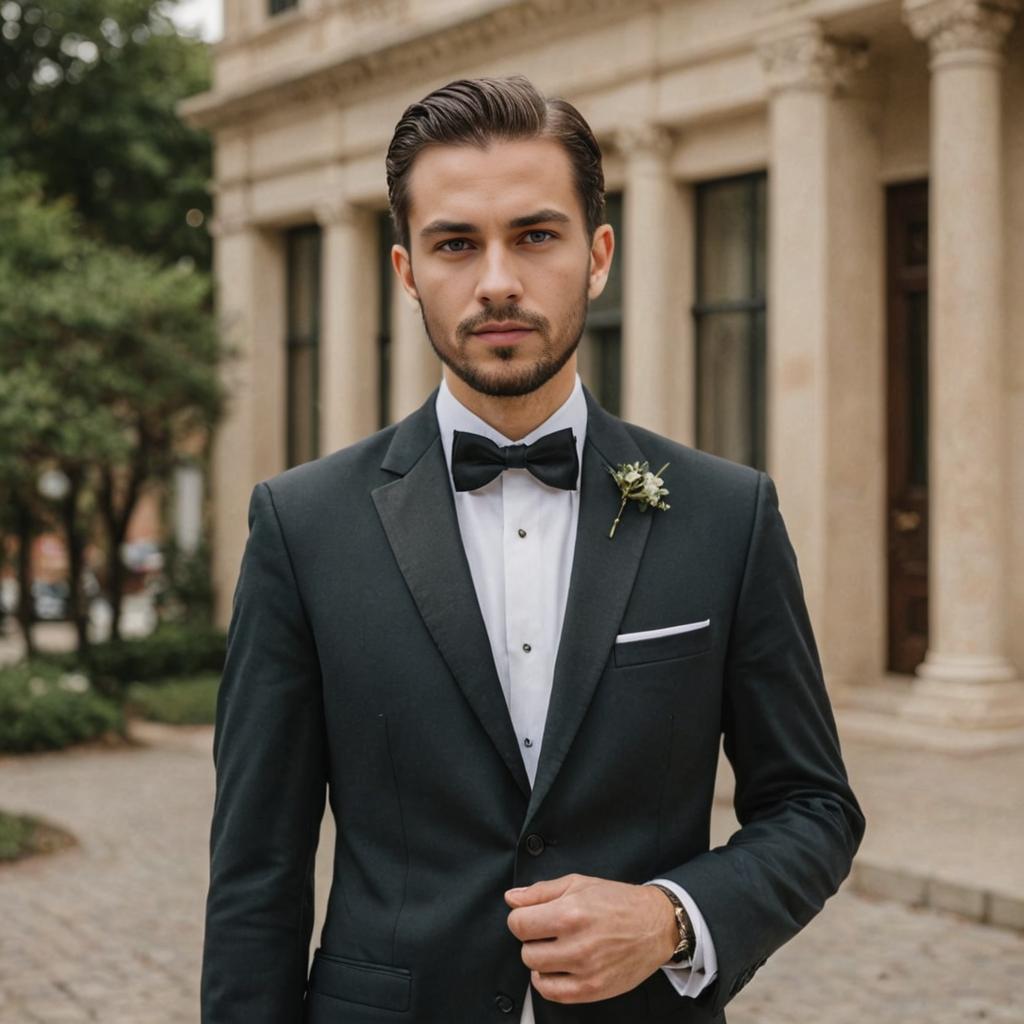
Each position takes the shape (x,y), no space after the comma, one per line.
(515,416)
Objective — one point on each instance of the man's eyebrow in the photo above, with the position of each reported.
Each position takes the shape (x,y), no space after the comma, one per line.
(452,227)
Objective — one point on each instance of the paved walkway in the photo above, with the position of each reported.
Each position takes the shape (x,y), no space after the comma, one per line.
(111,930)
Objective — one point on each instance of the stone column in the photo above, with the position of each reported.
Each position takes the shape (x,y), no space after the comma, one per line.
(968,457)
(811,233)
(656,279)
(415,367)
(249,443)
(348,334)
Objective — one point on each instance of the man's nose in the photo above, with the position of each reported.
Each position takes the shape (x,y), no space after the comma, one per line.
(499,281)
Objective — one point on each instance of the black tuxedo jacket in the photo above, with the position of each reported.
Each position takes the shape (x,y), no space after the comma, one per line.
(358,666)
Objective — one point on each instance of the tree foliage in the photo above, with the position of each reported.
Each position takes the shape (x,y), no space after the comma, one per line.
(108,365)
(87,101)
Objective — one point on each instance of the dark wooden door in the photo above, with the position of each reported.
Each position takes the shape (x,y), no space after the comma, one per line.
(907,322)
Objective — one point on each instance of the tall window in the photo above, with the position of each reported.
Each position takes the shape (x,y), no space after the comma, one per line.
(600,351)
(730,318)
(277,6)
(303,342)
(385,239)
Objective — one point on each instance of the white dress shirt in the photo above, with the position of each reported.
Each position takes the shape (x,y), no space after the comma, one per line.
(519,535)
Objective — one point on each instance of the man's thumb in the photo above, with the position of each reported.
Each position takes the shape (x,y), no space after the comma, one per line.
(539,892)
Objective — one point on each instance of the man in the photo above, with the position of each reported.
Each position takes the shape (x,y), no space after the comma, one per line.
(516,705)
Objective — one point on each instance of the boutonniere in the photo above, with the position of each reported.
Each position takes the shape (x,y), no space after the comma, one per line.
(638,483)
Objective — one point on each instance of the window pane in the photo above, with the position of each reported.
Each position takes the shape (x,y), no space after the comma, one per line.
(760,200)
(302,340)
(301,403)
(303,283)
(607,307)
(726,374)
(725,257)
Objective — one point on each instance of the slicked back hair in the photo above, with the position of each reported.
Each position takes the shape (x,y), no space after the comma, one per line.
(477,111)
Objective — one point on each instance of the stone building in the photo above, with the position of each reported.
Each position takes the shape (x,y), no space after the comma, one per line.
(819,210)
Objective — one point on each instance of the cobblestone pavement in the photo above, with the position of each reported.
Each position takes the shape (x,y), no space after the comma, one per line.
(111,930)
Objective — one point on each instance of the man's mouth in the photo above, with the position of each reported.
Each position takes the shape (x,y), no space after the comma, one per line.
(502,333)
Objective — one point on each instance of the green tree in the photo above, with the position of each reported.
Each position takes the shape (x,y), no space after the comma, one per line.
(108,362)
(87,101)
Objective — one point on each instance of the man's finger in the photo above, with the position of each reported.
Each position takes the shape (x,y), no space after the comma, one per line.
(539,892)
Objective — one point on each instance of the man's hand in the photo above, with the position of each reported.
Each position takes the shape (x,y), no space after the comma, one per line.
(587,938)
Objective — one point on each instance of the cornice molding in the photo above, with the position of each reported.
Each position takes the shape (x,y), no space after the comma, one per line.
(953,26)
(423,50)
(804,57)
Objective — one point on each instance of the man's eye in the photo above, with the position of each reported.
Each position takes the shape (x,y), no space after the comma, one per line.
(540,231)
(456,243)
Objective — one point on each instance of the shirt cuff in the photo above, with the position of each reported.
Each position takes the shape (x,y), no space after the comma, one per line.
(691,977)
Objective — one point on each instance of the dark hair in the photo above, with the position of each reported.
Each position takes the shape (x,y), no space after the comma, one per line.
(476,111)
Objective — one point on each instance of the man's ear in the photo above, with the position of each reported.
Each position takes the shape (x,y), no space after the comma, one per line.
(402,263)
(602,248)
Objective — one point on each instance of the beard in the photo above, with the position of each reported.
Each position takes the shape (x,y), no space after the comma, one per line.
(559,346)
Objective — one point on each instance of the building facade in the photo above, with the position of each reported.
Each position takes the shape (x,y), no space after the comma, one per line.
(819,213)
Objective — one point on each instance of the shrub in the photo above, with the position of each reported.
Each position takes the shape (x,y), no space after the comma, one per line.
(176,701)
(43,707)
(171,651)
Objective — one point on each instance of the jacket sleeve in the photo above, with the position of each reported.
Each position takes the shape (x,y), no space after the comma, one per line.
(270,756)
(800,822)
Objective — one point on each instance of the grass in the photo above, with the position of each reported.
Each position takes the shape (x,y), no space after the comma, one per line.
(22,835)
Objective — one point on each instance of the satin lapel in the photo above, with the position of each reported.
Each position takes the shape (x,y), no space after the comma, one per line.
(603,571)
(418,514)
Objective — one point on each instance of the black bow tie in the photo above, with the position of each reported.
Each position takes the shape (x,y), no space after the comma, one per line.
(552,459)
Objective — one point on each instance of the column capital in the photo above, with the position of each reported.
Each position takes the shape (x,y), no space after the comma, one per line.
(643,139)
(802,56)
(334,211)
(955,26)
(221,225)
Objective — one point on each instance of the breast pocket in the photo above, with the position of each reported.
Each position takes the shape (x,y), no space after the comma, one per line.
(661,644)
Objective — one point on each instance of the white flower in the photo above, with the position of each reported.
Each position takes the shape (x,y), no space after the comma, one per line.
(73,682)
(37,686)
(637,482)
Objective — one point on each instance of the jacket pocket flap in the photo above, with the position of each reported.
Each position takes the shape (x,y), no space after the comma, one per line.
(379,985)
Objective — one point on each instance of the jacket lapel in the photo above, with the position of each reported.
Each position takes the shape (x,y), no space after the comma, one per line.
(603,571)
(418,514)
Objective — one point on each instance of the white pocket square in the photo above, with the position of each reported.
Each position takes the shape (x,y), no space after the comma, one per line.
(650,634)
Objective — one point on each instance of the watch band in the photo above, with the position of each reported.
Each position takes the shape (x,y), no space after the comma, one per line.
(685,946)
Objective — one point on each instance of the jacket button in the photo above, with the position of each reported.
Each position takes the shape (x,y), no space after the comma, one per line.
(506,1004)
(534,844)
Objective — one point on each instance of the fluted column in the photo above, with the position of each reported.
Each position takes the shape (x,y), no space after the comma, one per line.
(348,335)
(968,458)
(249,443)
(656,320)
(415,367)
(823,212)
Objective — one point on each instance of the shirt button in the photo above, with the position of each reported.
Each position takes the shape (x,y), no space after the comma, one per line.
(522,532)
(527,742)
(506,1004)
(527,648)
(534,844)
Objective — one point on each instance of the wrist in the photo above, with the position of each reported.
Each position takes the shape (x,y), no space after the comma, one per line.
(679,929)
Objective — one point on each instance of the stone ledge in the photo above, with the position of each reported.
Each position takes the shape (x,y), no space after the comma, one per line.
(918,890)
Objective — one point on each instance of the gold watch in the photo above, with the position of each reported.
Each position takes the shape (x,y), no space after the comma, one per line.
(685,945)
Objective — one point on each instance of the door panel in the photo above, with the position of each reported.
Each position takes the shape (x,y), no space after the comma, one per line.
(907,316)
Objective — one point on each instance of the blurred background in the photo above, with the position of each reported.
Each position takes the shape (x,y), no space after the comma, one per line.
(819,215)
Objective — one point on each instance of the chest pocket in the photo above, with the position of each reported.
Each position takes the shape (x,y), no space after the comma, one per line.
(682,642)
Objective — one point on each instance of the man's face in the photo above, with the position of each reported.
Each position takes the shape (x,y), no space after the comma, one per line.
(500,262)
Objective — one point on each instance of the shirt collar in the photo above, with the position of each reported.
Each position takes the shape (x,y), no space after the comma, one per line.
(453,415)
